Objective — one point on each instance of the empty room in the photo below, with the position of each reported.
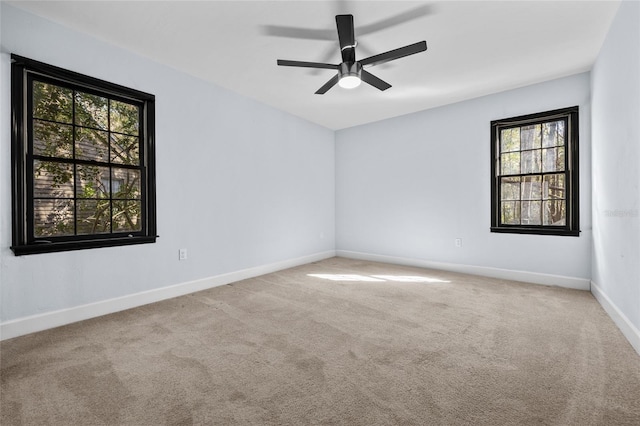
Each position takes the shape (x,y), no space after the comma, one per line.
(320,212)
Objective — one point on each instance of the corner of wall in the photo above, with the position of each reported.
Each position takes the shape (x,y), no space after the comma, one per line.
(619,318)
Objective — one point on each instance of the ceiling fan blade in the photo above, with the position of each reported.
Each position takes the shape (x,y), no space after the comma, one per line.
(346,37)
(328,85)
(367,77)
(286,63)
(398,19)
(401,52)
(327,55)
(296,32)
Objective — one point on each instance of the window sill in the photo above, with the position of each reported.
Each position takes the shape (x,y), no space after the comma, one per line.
(536,231)
(79,245)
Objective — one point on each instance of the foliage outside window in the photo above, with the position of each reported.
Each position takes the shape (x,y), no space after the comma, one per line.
(83,161)
(534,184)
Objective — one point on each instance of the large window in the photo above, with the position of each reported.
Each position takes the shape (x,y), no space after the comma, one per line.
(534,183)
(83,161)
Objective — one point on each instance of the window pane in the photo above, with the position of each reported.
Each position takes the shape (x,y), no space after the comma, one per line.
(510,140)
(550,133)
(124,118)
(129,183)
(92,145)
(52,179)
(125,149)
(52,139)
(553,159)
(554,212)
(531,188)
(92,181)
(531,161)
(94,217)
(530,137)
(530,214)
(91,111)
(116,186)
(561,133)
(52,218)
(510,188)
(510,163)
(553,187)
(126,216)
(510,212)
(51,102)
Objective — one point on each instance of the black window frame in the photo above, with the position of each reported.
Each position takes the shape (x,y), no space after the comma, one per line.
(571,144)
(24,241)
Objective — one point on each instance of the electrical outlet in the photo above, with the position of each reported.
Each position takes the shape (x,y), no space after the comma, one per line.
(458,242)
(182,254)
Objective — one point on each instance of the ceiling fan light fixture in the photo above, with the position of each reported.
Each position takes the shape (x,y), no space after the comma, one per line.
(349,82)
(350,75)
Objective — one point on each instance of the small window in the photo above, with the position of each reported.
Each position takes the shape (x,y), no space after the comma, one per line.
(83,161)
(534,183)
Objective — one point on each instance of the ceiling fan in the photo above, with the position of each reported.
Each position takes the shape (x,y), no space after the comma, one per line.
(350,71)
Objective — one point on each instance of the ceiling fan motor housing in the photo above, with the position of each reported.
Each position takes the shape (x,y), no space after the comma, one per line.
(353,69)
(349,74)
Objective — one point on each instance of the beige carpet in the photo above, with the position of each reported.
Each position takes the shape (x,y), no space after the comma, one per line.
(362,344)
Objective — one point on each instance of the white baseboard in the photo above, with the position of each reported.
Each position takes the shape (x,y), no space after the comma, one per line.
(630,331)
(47,320)
(506,274)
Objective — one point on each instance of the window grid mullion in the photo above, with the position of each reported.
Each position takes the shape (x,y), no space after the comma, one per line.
(561,172)
(86,162)
(541,215)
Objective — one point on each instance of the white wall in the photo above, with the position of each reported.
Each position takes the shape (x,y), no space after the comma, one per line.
(616,177)
(239,184)
(409,186)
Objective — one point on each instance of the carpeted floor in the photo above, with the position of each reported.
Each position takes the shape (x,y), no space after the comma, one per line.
(333,342)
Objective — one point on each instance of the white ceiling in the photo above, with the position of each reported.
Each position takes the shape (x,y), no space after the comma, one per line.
(474,47)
